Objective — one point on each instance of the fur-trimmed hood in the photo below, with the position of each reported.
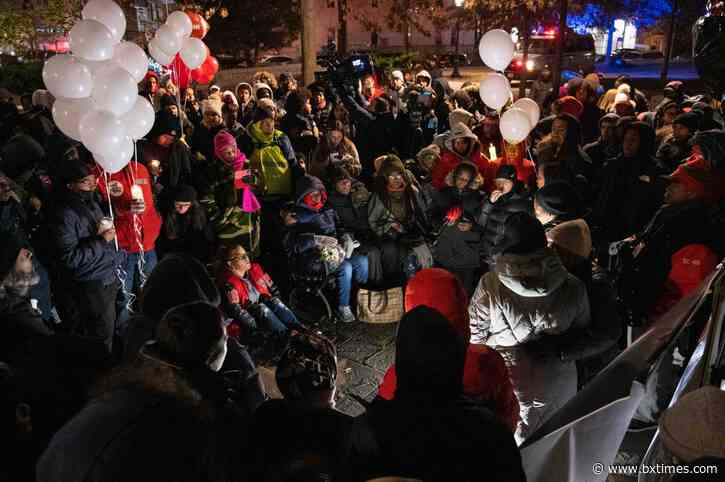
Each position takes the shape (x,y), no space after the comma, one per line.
(474,184)
(459,131)
(531,275)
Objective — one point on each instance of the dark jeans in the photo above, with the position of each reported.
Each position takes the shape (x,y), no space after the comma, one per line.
(97,307)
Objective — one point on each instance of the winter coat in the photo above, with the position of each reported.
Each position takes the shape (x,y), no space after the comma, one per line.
(523,298)
(13,220)
(245,115)
(352,211)
(127,223)
(589,119)
(187,238)
(202,141)
(455,248)
(21,323)
(672,153)
(381,218)
(322,117)
(450,159)
(599,153)
(299,128)
(82,252)
(492,216)
(257,278)
(626,202)
(377,134)
(346,154)
(177,425)
(273,158)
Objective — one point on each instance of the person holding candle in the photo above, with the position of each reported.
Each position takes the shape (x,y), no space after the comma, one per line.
(137,224)
(461,145)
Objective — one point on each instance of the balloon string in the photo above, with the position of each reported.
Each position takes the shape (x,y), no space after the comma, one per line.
(110,206)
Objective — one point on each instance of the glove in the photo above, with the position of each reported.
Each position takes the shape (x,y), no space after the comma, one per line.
(454,214)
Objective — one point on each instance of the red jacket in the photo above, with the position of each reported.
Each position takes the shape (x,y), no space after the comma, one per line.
(148,223)
(259,278)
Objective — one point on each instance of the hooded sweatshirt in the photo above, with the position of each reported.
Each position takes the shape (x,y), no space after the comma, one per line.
(450,158)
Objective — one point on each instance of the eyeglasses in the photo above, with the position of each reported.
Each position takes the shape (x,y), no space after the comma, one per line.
(396,176)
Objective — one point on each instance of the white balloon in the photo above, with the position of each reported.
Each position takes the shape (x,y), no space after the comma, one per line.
(67,114)
(496,49)
(531,108)
(95,66)
(91,40)
(495,91)
(181,23)
(64,76)
(140,119)
(102,133)
(193,52)
(114,90)
(515,125)
(167,40)
(159,55)
(109,14)
(118,159)
(132,59)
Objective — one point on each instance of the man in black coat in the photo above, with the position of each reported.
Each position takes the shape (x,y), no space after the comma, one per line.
(87,254)
(604,148)
(509,197)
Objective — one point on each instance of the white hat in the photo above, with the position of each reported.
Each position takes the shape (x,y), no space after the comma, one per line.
(622,98)
(214,88)
(228,94)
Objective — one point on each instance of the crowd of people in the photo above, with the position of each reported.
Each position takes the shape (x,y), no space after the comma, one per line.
(131,301)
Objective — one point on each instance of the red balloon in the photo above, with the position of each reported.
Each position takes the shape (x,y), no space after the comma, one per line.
(180,73)
(201,77)
(211,65)
(199,25)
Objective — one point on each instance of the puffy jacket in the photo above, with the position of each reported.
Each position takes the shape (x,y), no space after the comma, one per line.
(493,216)
(83,254)
(522,299)
(259,279)
(126,222)
(202,141)
(450,158)
(352,212)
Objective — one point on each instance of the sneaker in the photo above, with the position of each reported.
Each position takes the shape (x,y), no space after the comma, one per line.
(345,314)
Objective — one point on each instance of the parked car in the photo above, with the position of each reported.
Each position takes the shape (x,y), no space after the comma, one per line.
(578,55)
(635,57)
(276,60)
(448,60)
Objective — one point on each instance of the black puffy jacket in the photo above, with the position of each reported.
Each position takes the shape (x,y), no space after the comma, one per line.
(493,216)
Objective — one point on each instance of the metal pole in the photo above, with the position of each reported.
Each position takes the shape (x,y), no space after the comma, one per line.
(668,45)
(563,9)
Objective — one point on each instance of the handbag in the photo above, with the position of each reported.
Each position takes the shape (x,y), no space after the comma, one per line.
(380,306)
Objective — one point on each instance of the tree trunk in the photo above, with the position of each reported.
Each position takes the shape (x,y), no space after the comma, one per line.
(563,10)
(670,42)
(309,56)
(526,34)
(342,27)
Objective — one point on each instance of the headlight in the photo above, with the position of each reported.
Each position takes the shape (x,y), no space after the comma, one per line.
(530,65)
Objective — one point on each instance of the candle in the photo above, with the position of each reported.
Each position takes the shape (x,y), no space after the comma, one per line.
(492,152)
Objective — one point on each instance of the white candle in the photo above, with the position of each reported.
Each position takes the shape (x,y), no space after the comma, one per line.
(136,193)
(492,152)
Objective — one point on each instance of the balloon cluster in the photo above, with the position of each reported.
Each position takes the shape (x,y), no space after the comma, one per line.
(517,122)
(96,89)
(178,44)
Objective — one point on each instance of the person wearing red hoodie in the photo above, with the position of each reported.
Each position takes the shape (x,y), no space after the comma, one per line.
(137,223)
(461,145)
(485,375)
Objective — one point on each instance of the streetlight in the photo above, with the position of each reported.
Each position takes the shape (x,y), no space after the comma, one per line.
(456,74)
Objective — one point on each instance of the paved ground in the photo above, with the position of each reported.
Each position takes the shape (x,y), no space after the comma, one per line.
(364,352)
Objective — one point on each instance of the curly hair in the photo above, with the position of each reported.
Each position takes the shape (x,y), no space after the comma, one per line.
(266,77)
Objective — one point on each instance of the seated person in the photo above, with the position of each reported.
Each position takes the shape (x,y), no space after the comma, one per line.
(252,298)
(676,148)
(315,244)
(398,218)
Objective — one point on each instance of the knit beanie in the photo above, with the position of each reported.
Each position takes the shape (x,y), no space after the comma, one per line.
(184,194)
(308,365)
(506,171)
(429,356)
(190,334)
(558,198)
(691,120)
(10,246)
(75,170)
(522,234)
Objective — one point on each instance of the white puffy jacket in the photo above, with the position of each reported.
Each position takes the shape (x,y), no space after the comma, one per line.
(523,298)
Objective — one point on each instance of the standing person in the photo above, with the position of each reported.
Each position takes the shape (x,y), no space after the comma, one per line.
(527,294)
(137,227)
(150,87)
(591,113)
(247,104)
(192,108)
(604,148)
(461,145)
(299,123)
(541,90)
(563,146)
(202,142)
(396,92)
(85,242)
(321,108)
(230,110)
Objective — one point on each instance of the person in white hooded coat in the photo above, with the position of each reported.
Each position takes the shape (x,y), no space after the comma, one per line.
(529,294)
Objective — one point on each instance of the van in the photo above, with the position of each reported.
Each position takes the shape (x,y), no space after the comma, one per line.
(578,55)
